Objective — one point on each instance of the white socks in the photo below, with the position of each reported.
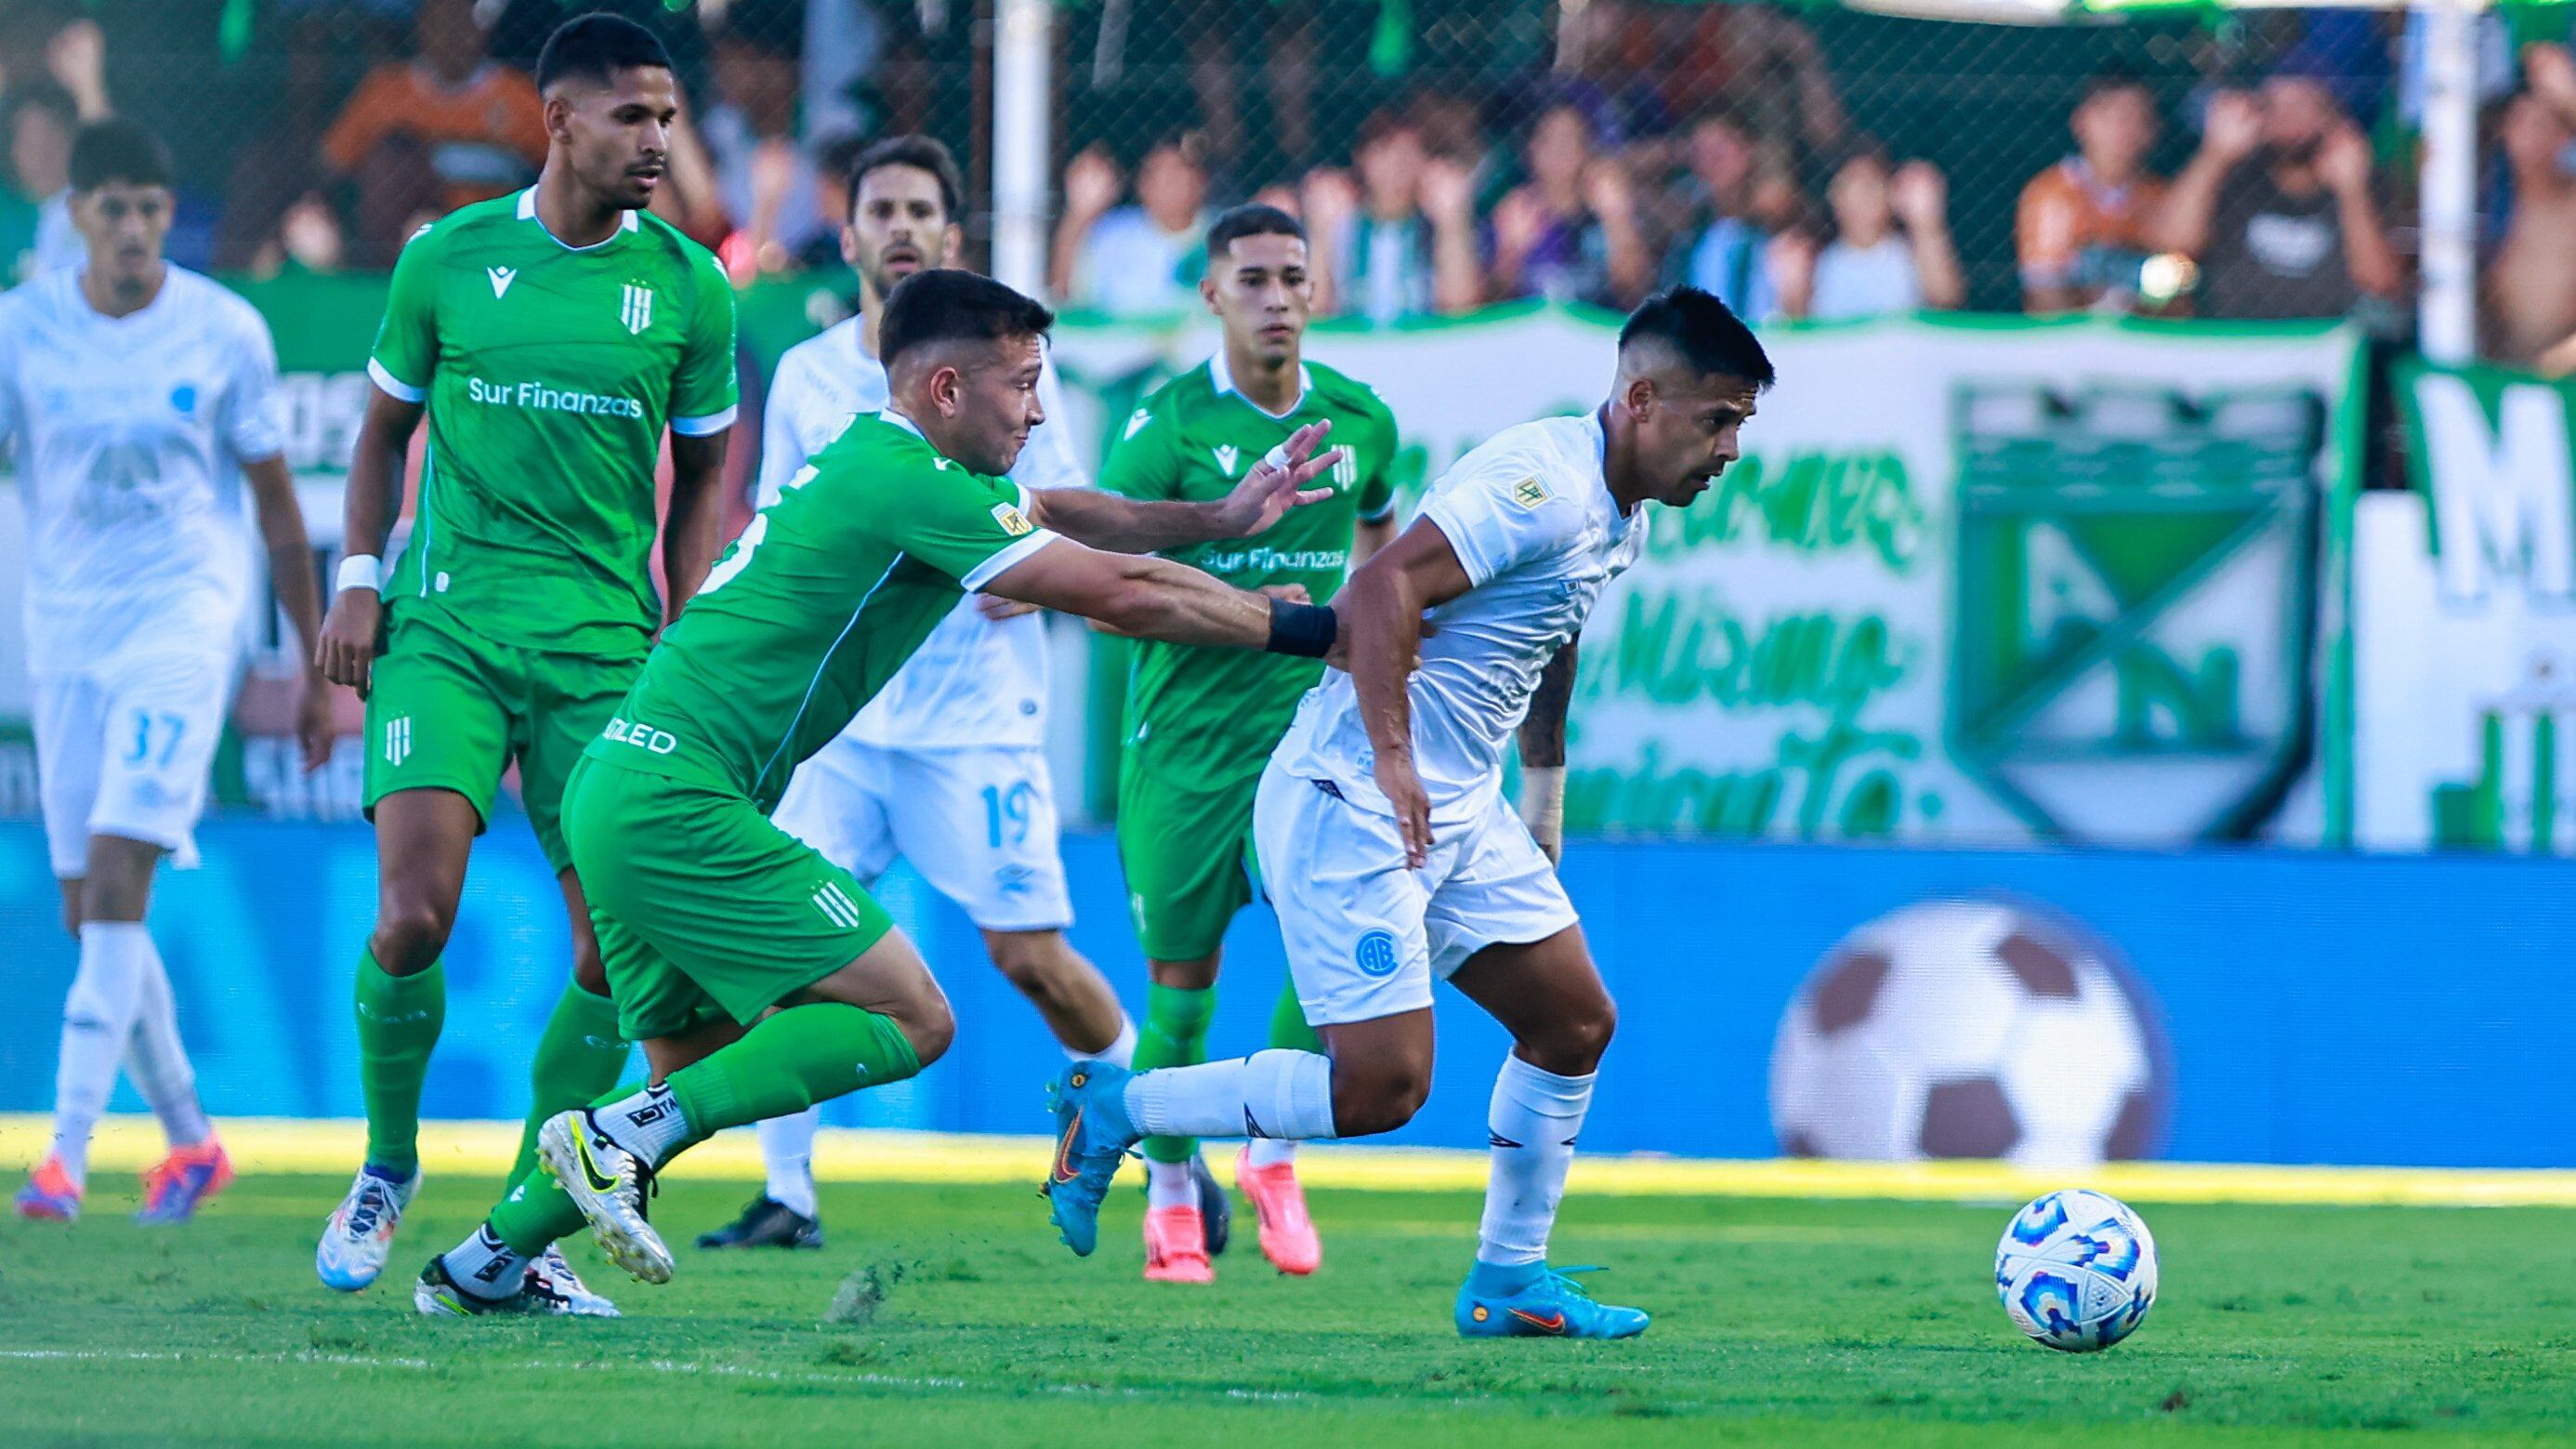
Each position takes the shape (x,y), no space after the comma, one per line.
(484,1266)
(787,1151)
(1269,1151)
(98,1016)
(1533,1121)
(157,1063)
(1267,1094)
(1167,1184)
(1119,1053)
(649,1124)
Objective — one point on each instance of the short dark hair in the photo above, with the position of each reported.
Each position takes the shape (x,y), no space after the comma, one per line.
(37,96)
(118,150)
(1237,222)
(2111,78)
(946,304)
(923,153)
(1707,334)
(595,47)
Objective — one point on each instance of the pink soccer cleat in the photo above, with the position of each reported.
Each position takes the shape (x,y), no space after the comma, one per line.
(1287,1235)
(1176,1247)
(175,1187)
(50,1194)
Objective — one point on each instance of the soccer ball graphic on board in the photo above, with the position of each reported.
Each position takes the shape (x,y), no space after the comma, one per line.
(1970,1028)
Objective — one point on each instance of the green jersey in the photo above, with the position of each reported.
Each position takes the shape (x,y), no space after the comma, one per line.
(549,373)
(1194,439)
(815,607)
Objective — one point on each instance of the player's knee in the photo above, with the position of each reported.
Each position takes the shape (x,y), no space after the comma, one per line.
(1378,1097)
(928,1024)
(1575,1043)
(410,934)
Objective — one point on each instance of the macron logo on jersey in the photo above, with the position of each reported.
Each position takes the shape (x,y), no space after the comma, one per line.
(1227,455)
(501,277)
(1136,422)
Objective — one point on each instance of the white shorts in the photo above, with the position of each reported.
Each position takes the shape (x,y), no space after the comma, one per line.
(978,822)
(124,750)
(1366,937)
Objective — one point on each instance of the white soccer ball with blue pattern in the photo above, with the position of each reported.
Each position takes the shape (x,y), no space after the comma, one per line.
(2077,1270)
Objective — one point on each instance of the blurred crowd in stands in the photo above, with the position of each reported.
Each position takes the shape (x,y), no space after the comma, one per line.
(1445,154)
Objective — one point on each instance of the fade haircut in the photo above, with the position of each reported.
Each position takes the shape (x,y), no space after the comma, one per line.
(594,48)
(1703,333)
(1239,222)
(118,150)
(925,153)
(946,304)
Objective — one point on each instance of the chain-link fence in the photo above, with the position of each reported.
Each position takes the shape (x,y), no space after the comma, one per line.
(1813,161)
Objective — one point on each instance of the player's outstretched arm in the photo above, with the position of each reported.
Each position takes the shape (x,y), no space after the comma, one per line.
(372,501)
(290,573)
(1152,598)
(1542,742)
(1382,610)
(693,534)
(1132,525)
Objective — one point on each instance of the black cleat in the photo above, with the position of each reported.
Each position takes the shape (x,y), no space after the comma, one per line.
(766,1223)
(1216,1210)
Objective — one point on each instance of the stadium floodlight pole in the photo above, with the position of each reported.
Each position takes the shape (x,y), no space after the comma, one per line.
(2446,318)
(1023,46)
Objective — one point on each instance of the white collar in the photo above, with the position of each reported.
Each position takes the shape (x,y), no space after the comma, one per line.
(528,212)
(888,414)
(1221,378)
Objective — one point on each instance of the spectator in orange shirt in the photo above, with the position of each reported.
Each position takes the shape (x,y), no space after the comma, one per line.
(2081,232)
(435,133)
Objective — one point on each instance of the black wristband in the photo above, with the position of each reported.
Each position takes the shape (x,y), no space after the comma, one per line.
(1303,629)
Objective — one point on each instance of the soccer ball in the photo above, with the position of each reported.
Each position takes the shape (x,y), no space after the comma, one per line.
(2076,1270)
(1970,1028)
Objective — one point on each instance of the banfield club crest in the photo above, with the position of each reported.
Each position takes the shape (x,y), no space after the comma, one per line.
(636,307)
(2135,616)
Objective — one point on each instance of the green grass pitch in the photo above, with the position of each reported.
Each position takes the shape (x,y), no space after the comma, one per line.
(961,1321)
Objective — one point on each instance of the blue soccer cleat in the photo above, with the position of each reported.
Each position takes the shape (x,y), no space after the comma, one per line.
(1553,1306)
(1092,1135)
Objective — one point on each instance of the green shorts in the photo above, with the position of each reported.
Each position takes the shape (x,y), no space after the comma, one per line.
(703,908)
(449,711)
(1185,843)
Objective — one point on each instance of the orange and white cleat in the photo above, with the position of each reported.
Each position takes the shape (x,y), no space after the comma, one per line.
(1176,1247)
(180,1183)
(50,1194)
(1287,1235)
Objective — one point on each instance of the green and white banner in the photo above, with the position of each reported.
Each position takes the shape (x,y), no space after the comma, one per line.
(2464,621)
(1973,581)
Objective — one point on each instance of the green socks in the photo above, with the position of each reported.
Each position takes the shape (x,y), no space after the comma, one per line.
(1288,1028)
(398,1022)
(786,1063)
(1174,1035)
(581,1055)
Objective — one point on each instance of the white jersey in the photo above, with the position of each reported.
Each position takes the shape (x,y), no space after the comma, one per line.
(973,681)
(58,244)
(129,432)
(1531,519)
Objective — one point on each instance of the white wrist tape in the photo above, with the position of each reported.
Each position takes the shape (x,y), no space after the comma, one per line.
(1543,800)
(360,571)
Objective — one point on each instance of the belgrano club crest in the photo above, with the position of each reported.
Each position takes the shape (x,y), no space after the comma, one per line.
(637,309)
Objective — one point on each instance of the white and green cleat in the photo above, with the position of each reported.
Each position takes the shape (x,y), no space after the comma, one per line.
(609,1185)
(551,1275)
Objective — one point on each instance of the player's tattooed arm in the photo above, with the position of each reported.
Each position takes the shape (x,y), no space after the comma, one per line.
(373,499)
(1382,610)
(1133,525)
(1542,742)
(694,533)
(299,592)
